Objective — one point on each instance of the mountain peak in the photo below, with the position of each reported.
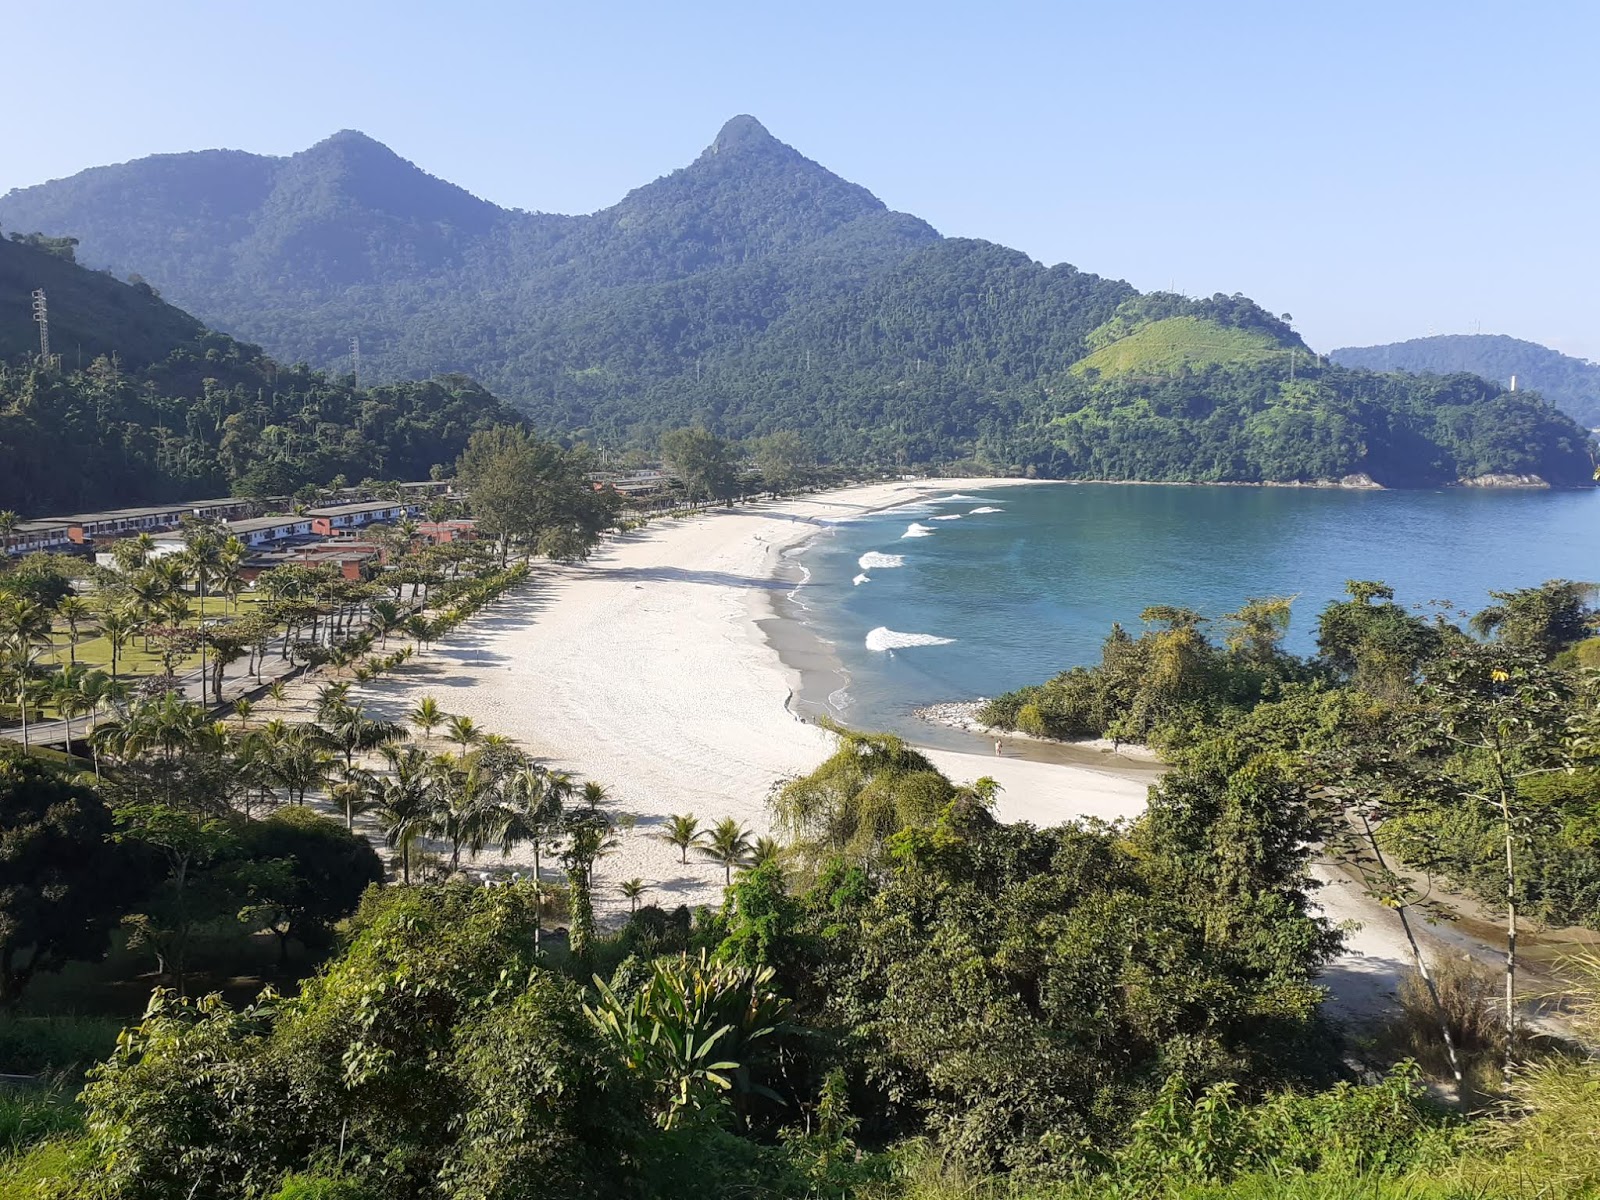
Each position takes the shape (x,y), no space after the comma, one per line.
(742,132)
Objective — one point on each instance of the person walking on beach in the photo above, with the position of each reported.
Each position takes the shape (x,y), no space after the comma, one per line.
(997,747)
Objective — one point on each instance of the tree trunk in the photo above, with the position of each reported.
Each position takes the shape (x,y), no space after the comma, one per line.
(1511,941)
(1416,956)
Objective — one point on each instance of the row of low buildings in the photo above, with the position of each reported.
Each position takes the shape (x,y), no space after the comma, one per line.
(327,534)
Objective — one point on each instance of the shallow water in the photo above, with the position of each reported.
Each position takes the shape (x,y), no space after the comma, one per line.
(916,608)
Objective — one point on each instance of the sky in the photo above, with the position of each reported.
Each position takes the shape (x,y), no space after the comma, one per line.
(1380,171)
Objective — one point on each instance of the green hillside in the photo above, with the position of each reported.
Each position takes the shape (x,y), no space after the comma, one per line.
(1163,347)
(90,313)
(164,409)
(1571,384)
(754,291)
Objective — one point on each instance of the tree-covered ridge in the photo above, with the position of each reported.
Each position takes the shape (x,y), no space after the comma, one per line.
(753,291)
(90,313)
(1571,384)
(1254,423)
(163,409)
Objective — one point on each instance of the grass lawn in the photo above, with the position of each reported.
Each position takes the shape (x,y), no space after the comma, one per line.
(94,651)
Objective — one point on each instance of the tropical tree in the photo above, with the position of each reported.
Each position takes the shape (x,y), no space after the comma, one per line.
(352,731)
(405,802)
(75,611)
(354,791)
(683,831)
(1541,620)
(117,627)
(427,716)
(588,839)
(728,844)
(698,1031)
(1508,714)
(871,787)
(66,881)
(632,890)
(464,732)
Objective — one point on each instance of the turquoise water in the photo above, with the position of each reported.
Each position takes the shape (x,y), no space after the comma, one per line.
(1016,594)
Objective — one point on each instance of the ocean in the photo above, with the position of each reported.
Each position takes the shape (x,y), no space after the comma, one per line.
(978,592)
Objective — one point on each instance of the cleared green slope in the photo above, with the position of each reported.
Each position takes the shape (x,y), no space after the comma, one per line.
(1163,347)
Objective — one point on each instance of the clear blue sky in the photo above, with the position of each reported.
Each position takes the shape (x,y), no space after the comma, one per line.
(1379,170)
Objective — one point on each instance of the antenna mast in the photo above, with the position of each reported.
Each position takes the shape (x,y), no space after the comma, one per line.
(355,359)
(41,314)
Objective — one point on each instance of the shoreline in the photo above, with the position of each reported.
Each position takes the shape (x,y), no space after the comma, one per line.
(659,670)
(651,669)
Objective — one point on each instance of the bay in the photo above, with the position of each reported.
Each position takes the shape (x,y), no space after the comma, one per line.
(941,601)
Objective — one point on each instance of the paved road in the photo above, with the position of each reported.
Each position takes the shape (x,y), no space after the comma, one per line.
(236,682)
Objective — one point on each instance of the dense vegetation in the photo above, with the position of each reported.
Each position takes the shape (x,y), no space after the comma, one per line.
(162,409)
(1571,384)
(1373,700)
(904,998)
(754,292)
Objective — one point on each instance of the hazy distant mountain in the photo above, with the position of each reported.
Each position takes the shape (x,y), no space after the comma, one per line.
(754,290)
(1572,384)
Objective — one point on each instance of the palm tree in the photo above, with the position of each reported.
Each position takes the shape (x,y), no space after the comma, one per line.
(727,843)
(427,716)
(331,697)
(464,732)
(242,708)
(682,831)
(766,850)
(387,617)
(25,628)
(529,812)
(74,610)
(8,524)
(118,628)
(278,693)
(422,629)
(405,802)
(66,692)
(632,889)
(352,730)
(100,690)
(594,795)
(301,761)
(356,792)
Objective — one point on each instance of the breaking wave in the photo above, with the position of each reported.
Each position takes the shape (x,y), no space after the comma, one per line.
(917,530)
(861,578)
(986,509)
(883,638)
(873,561)
(950,517)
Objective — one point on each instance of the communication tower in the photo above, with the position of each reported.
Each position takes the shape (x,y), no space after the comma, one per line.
(41,314)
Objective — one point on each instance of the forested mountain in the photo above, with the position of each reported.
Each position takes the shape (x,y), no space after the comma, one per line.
(162,408)
(752,291)
(1571,384)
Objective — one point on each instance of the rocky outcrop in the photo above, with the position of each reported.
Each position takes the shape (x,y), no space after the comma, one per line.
(1504,480)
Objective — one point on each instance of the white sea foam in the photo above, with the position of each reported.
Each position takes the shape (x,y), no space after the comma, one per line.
(917,530)
(861,578)
(882,639)
(873,561)
(986,509)
(958,496)
(950,517)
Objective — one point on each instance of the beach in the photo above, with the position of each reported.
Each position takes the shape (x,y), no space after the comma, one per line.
(649,669)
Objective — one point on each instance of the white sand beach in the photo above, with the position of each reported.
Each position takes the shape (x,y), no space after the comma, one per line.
(644,669)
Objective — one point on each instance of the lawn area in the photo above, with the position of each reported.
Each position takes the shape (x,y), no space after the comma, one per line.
(94,651)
